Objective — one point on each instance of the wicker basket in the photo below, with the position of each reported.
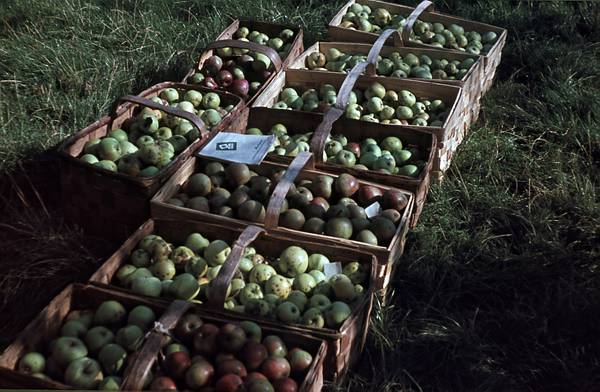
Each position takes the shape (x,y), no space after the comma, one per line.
(148,355)
(470,83)
(302,122)
(386,255)
(47,325)
(491,59)
(449,136)
(110,204)
(270,29)
(344,344)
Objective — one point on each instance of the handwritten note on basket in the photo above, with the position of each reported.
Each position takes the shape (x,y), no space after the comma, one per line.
(235,147)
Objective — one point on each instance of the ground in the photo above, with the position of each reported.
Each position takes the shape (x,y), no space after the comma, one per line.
(499,287)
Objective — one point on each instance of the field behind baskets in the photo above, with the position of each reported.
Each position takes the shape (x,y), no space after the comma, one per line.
(499,288)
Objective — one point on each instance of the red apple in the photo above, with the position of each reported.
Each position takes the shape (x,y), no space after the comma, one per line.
(210,83)
(300,360)
(253,354)
(240,87)
(368,194)
(222,357)
(205,339)
(163,384)
(232,337)
(231,366)
(354,148)
(177,363)
(275,368)
(186,326)
(224,78)
(393,198)
(320,201)
(229,383)
(213,65)
(254,376)
(199,374)
(346,185)
(285,385)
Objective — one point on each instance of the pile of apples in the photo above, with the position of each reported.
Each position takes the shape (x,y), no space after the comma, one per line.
(151,139)
(241,71)
(394,65)
(334,206)
(290,286)
(93,348)
(228,358)
(374,104)
(361,17)
(387,156)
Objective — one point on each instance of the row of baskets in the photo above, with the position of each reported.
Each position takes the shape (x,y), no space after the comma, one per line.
(305,195)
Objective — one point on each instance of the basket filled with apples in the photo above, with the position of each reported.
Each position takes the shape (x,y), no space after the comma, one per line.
(249,273)
(293,200)
(201,351)
(110,169)
(86,338)
(391,102)
(245,57)
(421,27)
(424,64)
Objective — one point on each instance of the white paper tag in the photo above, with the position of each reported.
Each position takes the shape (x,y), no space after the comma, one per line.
(331,269)
(373,210)
(235,147)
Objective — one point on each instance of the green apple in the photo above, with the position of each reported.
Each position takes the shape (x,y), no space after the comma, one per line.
(313,317)
(140,258)
(196,242)
(110,383)
(336,314)
(169,94)
(110,313)
(319,301)
(293,261)
(343,287)
(298,298)
(211,101)
(112,358)
(358,273)
(196,266)
(260,273)
(89,158)
(318,276)
(304,282)
(317,261)
(185,286)
(73,328)
(216,253)
(130,337)
(151,286)
(66,349)
(109,149)
(98,337)
(288,312)
(278,285)
(32,362)
(181,255)
(83,373)
(163,270)
(250,291)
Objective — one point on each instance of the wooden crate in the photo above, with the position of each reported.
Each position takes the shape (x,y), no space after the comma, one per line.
(344,344)
(312,382)
(271,29)
(449,135)
(490,59)
(111,204)
(302,122)
(47,325)
(386,255)
(470,83)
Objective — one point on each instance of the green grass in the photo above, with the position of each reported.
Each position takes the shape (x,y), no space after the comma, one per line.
(499,287)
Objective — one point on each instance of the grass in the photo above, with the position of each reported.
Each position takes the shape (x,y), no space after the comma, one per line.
(499,287)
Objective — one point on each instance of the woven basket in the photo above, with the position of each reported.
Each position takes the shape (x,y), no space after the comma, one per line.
(423,11)
(271,29)
(110,204)
(449,136)
(344,344)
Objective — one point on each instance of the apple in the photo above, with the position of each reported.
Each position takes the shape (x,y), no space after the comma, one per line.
(232,337)
(83,373)
(163,383)
(368,194)
(231,366)
(110,383)
(98,337)
(177,364)
(285,385)
(32,362)
(253,330)
(300,360)
(185,328)
(73,328)
(151,286)
(110,313)
(205,339)
(67,349)
(253,354)
(275,368)
(199,374)
(142,316)
(229,383)
(130,337)
(112,358)
(275,346)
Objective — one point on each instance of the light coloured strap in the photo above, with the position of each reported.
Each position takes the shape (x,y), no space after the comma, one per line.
(220,284)
(412,18)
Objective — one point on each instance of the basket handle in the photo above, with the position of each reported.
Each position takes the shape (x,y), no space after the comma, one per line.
(318,141)
(195,120)
(236,43)
(156,338)
(412,18)
(378,45)
(220,284)
(284,185)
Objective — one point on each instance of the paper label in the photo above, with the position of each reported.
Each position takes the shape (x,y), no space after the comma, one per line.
(235,147)
(331,269)
(373,210)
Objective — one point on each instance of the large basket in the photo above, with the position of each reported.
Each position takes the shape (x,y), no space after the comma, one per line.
(110,204)
(386,255)
(271,29)
(470,83)
(449,135)
(46,326)
(355,131)
(149,353)
(491,59)
(344,344)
